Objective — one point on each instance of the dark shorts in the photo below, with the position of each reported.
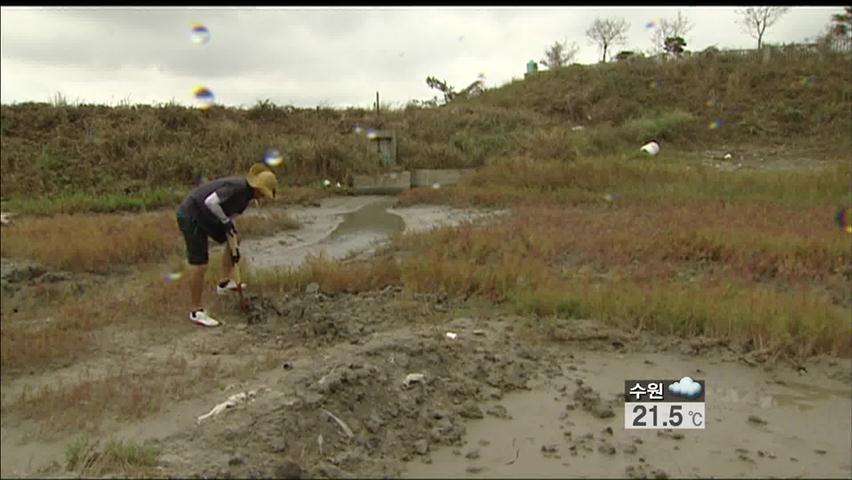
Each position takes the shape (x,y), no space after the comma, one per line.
(196,239)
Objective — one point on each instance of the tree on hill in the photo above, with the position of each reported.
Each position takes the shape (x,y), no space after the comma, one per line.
(450,94)
(441,85)
(607,32)
(559,54)
(625,55)
(677,27)
(471,90)
(842,24)
(756,20)
(674,45)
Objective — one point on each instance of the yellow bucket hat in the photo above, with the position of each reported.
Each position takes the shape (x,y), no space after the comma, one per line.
(262,178)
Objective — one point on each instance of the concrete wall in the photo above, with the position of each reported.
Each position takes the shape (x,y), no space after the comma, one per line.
(395,182)
(429,177)
(398,182)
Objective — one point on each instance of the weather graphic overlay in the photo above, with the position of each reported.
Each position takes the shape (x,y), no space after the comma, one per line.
(660,404)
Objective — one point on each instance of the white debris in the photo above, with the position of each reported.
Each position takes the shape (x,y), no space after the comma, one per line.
(338,184)
(343,425)
(577,128)
(479,332)
(326,182)
(651,148)
(232,401)
(728,156)
(436,186)
(6,218)
(452,336)
(413,378)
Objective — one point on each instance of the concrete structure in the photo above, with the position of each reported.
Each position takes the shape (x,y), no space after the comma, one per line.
(383,142)
(386,183)
(398,182)
(442,177)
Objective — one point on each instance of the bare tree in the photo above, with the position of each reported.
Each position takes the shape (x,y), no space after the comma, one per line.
(559,54)
(608,32)
(677,27)
(755,20)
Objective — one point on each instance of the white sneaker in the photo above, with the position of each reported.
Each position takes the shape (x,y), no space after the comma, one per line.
(230,287)
(200,317)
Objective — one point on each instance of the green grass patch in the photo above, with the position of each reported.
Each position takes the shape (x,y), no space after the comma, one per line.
(652,180)
(94,203)
(659,125)
(84,457)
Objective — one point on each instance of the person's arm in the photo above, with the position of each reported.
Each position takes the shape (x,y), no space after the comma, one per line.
(214,204)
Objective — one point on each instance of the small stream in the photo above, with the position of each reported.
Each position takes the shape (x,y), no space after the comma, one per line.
(343,227)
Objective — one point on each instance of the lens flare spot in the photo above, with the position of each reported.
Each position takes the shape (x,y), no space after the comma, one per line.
(807,81)
(204,97)
(272,157)
(716,124)
(200,34)
(843,218)
(171,277)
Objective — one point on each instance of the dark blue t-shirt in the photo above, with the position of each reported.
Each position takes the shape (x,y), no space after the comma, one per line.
(234,196)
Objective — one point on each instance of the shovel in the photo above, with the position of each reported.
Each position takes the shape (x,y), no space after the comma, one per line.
(235,258)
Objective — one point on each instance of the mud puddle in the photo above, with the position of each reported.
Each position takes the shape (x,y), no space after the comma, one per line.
(800,427)
(343,227)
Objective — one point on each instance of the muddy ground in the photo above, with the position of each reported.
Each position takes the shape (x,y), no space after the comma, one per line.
(508,397)
(497,401)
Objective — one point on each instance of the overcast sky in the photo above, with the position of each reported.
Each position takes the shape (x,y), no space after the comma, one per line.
(334,57)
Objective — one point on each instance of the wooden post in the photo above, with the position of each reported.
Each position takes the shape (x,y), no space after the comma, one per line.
(377,105)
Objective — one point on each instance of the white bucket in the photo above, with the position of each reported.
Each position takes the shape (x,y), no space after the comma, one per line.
(651,148)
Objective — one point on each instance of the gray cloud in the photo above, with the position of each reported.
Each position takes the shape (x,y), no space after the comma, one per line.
(303,56)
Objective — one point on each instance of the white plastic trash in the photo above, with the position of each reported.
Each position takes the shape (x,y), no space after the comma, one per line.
(651,148)
(413,378)
(728,156)
(452,336)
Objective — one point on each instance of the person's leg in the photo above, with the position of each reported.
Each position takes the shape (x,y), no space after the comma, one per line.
(196,286)
(196,254)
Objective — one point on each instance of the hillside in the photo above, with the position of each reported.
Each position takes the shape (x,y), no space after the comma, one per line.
(785,98)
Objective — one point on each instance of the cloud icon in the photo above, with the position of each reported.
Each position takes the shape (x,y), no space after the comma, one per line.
(685,387)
